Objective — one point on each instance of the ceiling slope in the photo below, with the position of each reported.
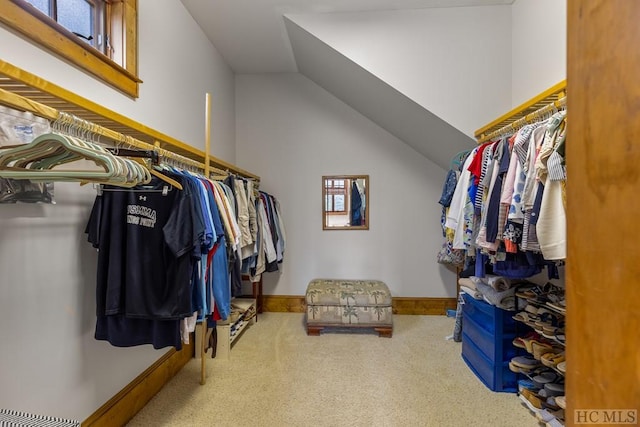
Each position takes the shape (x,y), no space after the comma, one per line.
(375,99)
(251,37)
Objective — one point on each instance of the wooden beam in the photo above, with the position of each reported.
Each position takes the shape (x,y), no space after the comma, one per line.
(603,154)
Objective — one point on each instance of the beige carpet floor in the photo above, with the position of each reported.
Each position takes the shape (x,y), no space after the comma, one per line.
(278,376)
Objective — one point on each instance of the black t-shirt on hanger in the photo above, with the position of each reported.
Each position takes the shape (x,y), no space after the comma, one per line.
(145,238)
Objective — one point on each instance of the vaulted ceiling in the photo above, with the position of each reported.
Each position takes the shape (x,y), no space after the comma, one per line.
(262,36)
(251,34)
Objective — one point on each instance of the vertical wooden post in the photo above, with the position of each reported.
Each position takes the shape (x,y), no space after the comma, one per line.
(603,154)
(207,170)
(207,142)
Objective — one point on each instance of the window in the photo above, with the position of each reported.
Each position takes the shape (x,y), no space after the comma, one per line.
(99,36)
(84,18)
(335,195)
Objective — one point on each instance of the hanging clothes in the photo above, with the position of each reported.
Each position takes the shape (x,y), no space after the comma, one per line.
(508,204)
(168,258)
(356,205)
(145,240)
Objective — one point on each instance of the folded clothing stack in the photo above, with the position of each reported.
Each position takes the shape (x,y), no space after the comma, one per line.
(469,286)
(495,290)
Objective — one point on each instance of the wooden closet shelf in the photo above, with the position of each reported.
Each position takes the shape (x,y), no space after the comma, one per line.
(28,92)
(549,96)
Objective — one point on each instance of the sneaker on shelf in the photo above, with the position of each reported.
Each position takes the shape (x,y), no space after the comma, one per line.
(562,367)
(561,401)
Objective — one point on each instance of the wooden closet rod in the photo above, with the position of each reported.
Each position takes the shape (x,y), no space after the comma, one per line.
(534,117)
(19,102)
(44,98)
(545,99)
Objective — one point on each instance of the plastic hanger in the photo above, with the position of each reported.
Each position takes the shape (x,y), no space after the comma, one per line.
(52,149)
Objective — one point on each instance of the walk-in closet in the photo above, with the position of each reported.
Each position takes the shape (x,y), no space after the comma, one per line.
(301,213)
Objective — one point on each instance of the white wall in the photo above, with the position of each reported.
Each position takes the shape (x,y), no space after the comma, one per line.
(291,132)
(455,62)
(172,97)
(539,47)
(50,363)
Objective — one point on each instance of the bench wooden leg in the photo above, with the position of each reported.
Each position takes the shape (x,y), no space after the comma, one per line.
(314,330)
(384,332)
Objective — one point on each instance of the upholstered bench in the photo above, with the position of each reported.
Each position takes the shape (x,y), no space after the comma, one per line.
(349,304)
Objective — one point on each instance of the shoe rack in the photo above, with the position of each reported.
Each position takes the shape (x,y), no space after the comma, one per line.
(543,337)
(221,338)
(243,314)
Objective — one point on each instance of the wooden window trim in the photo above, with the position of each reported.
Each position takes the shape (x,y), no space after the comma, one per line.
(20,16)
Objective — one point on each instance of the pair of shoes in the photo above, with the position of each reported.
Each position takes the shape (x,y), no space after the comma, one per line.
(552,359)
(235,314)
(548,318)
(523,363)
(550,404)
(550,417)
(526,318)
(551,390)
(560,338)
(540,349)
(532,309)
(561,401)
(532,398)
(560,305)
(250,313)
(520,341)
(527,384)
(533,293)
(550,332)
(543,378)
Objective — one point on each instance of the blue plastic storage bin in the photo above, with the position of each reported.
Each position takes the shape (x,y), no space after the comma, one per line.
(487,348)
(493,319)
(496,376)
(496,348)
